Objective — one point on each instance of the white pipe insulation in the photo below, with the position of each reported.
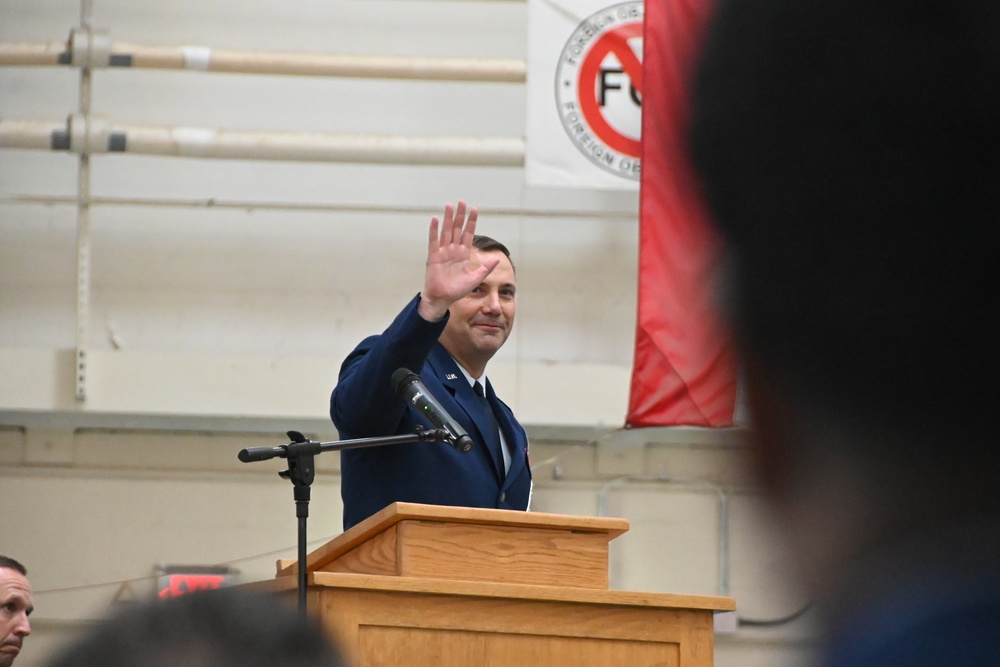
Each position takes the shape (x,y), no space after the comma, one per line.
(85,136)
(93,49)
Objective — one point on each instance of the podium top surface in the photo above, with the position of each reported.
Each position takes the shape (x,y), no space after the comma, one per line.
(422,586)
(398,512)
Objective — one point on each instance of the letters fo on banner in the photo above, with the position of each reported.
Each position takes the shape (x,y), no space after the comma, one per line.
(598,86)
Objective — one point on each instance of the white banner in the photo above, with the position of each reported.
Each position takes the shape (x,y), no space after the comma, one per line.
(584,92)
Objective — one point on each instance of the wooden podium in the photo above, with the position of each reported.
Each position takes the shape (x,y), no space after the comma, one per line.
(418,585)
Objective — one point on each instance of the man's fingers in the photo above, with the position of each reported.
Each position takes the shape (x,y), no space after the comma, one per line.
(447,224)
(432,236)
(489,261)
(470,226)
(456,232)
(456,227)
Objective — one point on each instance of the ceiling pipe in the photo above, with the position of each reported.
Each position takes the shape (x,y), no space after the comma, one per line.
(93,49)
(92,134)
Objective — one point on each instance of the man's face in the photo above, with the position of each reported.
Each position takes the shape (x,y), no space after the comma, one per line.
(481,321)
(15,607)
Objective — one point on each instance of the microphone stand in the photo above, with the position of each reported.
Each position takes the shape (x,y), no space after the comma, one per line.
(301,453)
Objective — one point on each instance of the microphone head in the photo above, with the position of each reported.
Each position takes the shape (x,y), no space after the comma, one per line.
(463,443)
(402,377)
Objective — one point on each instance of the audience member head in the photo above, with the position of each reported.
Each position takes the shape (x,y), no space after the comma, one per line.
(850,153)
(15,606)
(222,628)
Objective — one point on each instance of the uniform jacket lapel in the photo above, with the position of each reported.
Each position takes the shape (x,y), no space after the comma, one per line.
(449,375)
(512,432)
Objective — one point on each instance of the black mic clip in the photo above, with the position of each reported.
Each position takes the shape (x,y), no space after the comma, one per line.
(462,443)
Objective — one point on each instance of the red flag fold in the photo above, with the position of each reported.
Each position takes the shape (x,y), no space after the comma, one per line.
(684,370)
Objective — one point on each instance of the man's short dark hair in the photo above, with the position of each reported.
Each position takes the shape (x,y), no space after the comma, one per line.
(486,244)
(6,561)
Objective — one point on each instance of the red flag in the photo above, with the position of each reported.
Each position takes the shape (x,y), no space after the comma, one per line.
(684,371)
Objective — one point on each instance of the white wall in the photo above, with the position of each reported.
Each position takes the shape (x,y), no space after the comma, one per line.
(220,296)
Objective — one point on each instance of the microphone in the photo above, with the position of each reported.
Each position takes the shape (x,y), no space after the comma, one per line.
(413,391)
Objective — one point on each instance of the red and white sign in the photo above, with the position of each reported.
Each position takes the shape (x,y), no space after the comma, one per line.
(584,94)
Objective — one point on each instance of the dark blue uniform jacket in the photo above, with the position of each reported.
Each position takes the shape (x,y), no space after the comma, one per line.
(365,404)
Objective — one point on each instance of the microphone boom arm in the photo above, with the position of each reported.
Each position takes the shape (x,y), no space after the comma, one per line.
(301,445)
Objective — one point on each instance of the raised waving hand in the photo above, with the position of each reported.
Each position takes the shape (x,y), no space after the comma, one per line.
(453,268)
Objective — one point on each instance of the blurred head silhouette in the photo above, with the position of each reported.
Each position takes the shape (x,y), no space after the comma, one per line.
(849,152)
(222,628)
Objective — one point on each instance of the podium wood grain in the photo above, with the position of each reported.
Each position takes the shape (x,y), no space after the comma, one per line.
(420,585)
(408,539)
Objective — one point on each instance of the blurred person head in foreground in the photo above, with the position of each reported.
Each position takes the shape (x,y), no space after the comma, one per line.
(849,152)
(212,628)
